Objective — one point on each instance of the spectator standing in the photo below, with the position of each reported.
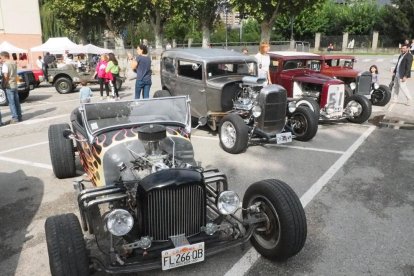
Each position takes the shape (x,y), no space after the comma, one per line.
(168,46)
(85,93)
(112,71)
(39,62)
(48,60)
(263,61)
(142,65)
(9,70)
(245,51)
(375,74)
(412,47)
(401,73)
(330,47)
(100,72)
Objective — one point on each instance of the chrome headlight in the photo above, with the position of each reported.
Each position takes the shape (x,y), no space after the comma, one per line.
(256,111)
(228,202)
(352,85)
(291,107)
(119,222)
(376,85)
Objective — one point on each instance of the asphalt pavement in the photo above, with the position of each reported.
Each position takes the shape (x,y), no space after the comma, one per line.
(355,182)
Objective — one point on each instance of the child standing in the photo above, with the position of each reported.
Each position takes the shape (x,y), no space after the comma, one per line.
(375,74)
(85,93)
(112,71)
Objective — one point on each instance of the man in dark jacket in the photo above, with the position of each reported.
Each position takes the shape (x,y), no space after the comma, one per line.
(402,72)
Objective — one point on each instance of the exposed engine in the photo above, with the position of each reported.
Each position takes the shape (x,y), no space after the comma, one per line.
(155,157)
(250,89)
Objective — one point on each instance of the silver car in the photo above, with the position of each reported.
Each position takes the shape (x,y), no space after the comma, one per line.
(224,89)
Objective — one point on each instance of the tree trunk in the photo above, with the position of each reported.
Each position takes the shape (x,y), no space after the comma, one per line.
(206,35)
(266,30)
(119,42)
(158,29)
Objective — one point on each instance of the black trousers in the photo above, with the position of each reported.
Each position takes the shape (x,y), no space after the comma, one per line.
(103,82)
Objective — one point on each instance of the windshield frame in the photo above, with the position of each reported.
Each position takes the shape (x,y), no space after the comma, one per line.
(94,125)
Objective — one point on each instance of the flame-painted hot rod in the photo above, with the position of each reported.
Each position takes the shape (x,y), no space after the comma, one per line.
(147,204)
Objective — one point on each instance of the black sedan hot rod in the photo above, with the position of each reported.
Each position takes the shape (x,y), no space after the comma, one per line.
(147,204)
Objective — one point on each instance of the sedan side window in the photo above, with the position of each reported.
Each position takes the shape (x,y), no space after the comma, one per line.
(190,69)
(169,65)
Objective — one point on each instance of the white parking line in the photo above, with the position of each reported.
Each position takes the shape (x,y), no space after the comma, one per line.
(251,256)
(281,146)
(35,121)
(24,162)
(24,147)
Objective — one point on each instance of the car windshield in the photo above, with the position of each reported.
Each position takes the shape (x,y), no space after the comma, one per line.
(174,110)
(231,68)
(340,62)
(313,64)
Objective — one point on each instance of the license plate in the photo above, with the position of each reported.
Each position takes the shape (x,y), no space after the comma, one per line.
(183,255)
(31,87)
(285,137)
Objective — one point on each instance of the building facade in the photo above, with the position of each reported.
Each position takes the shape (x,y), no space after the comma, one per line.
(20,23)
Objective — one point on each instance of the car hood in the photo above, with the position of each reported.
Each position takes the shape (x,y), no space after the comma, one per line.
(315,78)
(340,72)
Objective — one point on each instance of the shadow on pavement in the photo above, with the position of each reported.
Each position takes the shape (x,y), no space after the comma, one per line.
(20,200)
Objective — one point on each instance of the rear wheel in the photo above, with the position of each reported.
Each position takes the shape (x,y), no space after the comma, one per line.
(62,152)
(23,95)
(303,123)
(359,108)
(66,246)
(233,134)
(381,96)
(63,85)
(284,233)
(162,94)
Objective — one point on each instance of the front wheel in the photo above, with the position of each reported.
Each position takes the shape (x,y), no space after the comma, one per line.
(3,97)
(381,96)
(284,232)
(233,134)
(62,152)
(66,246)
(359,108)
(303,123)
(63,85)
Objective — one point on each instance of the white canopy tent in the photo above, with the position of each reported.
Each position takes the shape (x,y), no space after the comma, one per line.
(90,49)
(8,47)
(56,45)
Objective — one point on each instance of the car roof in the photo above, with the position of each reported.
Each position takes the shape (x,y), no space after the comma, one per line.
(207,54)
(338,57)
(285,55)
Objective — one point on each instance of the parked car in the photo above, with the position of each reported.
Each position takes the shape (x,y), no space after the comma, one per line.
(39,76)
(342,67)
(299,73)
(224,88)
(67,77)
(25,82)
(151,205)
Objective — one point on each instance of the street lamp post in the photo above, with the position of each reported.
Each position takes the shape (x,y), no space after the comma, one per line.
(225,13)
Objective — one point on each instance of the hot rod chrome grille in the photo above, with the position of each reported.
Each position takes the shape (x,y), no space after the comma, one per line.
(273,102)
(364,83)
(173,211)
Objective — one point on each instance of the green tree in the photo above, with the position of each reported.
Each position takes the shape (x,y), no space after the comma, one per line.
(266,12)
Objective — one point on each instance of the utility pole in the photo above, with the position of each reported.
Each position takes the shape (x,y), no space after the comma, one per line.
(225,12)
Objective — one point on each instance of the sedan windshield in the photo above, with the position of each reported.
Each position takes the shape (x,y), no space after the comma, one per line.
(173,110)
(231,68)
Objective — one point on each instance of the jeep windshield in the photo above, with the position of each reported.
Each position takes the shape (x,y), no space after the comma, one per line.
(231,68)
(170,111)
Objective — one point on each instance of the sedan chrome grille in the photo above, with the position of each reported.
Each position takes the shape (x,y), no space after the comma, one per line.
(174,211)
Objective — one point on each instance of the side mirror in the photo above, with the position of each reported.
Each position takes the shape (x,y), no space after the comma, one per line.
(195,66)
(202,121)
